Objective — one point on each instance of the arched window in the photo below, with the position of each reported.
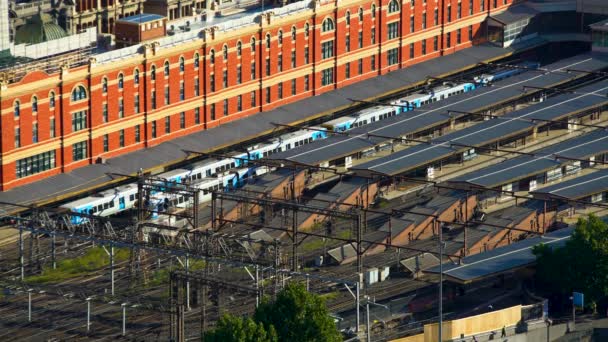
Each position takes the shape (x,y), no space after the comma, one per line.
(79,93)
(373,10)
(104,85)
(306,30)
(196,58)
(360,15)
(280,37)
(52,99)
(225,52)
(182,64)
(136,76)
(393,6)
(212,56)
(347,17)
(239,48)
(121,81)
(293,33)
(166,68)
(253,44)
(34,104)
(153,73)
(17,108)
(268,40)
(328,25)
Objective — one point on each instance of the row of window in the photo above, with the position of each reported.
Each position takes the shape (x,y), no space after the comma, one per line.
(35,164)
(79,119)
(327,51)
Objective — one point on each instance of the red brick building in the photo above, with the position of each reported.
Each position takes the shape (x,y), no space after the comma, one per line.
(139,96)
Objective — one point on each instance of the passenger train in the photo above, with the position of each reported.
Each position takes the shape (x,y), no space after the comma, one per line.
(505,72)
(233,171)
(408,103)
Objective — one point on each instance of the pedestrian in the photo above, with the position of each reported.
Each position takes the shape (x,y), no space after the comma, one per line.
(490,307)
(474,338)
(504,332)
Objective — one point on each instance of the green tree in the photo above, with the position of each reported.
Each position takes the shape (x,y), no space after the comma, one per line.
(298,315)
(580,265)
(236,329)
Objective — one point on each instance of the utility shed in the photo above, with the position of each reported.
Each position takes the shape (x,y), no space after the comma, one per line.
(139,28)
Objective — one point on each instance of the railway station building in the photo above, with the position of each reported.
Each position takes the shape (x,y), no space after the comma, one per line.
(81,106)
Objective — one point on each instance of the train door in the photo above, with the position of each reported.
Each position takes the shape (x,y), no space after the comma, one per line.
(121,203)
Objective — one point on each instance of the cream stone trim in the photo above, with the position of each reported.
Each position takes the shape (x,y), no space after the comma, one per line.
(30,150)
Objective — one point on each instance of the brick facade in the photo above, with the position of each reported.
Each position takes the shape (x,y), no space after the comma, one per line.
(227,88)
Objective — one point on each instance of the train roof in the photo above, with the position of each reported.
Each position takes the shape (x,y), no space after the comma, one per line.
(339,120)
(172,173)
(372,110)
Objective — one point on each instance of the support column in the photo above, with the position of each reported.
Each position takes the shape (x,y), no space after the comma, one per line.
(112,268)
(124,318)
(187,283)
(53,251)
(21,253)
(357,285)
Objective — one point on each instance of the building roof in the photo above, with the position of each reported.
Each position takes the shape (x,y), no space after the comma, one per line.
(420,262)
(40,28)
(576,188)
(343,252)
(515,14)
(487,132)
(501,259)
(141,18)
(515,169)
(435,113)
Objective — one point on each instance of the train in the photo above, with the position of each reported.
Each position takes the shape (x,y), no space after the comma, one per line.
(505,72)
(222,174)
(402,105)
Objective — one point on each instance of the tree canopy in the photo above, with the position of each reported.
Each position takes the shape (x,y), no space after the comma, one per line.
(232,328)
(580,265)
(296,315)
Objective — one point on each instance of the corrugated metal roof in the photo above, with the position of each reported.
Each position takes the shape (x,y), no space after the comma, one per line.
(502,259)
(512,170)
(515,14)
(436,113)
(576,188)
(487,132)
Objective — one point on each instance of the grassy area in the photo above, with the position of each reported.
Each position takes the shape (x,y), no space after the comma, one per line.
(381,203)
(329,296)
(94,259)
(161,276)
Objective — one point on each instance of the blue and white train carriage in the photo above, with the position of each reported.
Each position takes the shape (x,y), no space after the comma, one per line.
(105,203)
(506,72)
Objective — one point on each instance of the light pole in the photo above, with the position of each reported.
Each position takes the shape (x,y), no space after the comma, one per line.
(440,228)
(124,318)
(368,326)
(88,313)
(29,305)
